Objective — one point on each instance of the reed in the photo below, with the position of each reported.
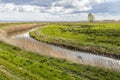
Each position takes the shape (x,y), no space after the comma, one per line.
(18,28)
(38,47)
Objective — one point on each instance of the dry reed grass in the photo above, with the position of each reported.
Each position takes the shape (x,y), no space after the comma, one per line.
(18,28)
(38,47)
(3,35)
(8,30)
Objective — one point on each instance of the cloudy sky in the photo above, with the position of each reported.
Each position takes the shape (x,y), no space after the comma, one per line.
(58,10)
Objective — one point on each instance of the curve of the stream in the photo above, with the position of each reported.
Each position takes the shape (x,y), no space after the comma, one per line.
(24,41)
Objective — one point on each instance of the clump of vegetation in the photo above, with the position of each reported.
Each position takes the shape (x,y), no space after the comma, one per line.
(18,28)
(91,17)
(98,38)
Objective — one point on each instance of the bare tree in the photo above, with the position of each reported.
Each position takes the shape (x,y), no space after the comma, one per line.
(91,17)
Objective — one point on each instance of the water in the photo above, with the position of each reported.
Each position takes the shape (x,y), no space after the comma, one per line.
(24,41)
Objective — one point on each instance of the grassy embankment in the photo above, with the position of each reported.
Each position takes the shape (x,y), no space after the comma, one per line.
(98,38)
(17,64)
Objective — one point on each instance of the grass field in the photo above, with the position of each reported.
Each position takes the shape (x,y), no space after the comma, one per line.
(98,38)
(17,64)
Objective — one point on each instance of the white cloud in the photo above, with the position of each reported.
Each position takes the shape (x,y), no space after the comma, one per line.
(57,7)
(56,10)
(10,7)
(49,17)
(68,6)
(107,16)
(101,1)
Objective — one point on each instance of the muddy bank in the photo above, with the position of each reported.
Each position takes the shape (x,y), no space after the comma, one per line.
(87,49)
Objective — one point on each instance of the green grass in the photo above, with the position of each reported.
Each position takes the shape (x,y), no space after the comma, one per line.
(99,38)
(17,64)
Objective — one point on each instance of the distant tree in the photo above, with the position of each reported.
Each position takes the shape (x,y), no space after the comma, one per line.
(91,17)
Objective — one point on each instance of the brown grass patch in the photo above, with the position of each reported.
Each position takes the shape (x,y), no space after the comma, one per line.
(18,28)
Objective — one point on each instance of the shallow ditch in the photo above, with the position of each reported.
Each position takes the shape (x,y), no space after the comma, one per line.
(24,41)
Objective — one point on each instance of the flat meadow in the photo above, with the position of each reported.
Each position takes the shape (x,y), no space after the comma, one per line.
(99,38)
(18,64)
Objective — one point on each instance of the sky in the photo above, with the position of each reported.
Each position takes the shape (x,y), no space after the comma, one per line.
(58,10)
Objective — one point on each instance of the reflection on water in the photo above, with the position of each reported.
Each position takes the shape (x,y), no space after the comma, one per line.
(24,41)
